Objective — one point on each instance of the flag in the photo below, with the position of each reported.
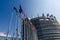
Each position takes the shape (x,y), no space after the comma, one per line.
(20,9)
(15,9)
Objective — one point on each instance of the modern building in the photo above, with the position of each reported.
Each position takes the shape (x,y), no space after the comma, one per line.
(47,27)
(28,33)
(9,38)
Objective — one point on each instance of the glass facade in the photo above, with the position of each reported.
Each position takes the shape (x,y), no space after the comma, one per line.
(9,38)
(48,28)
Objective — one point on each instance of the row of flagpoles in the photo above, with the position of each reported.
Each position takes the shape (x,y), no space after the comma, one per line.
(26,21)
(22,11)
(19,17)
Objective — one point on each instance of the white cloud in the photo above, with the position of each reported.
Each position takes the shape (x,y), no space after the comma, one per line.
(3,34)
(29,18)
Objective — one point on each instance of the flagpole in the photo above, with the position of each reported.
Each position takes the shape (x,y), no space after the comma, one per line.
(17,26)
(9,27)
(17,23)
(13,36)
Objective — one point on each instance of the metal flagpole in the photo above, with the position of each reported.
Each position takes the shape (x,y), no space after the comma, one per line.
(17,27)
(14,32)
(17,23)
(13,36)
(9,27)
(21,11)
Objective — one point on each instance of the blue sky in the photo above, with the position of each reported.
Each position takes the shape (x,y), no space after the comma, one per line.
(6,10)
(31,7)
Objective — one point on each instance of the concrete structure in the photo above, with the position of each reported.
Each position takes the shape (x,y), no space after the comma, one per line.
(28,33)
(48,27)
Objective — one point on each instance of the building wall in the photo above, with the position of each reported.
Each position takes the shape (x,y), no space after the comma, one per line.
(28,33)
(47,29)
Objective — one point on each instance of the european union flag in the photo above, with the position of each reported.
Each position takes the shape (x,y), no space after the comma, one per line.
(15,9)
(20,9)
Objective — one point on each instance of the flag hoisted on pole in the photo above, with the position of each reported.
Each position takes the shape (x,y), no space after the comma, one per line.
(22,11)
(15,10)
(17,23)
